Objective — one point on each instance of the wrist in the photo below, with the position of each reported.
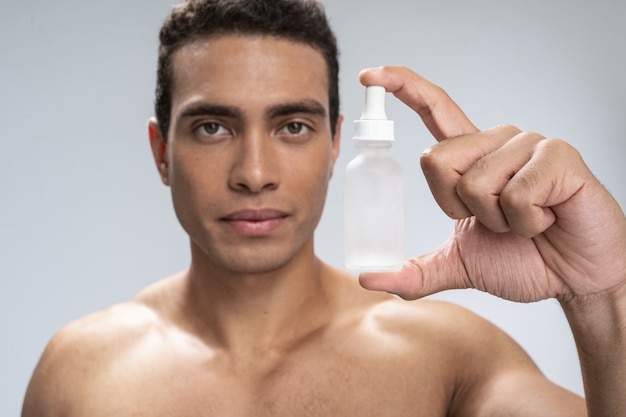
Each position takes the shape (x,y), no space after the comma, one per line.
(598,323)
(601,315)
(608,304)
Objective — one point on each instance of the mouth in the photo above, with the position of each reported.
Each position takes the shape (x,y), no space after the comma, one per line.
(255,222)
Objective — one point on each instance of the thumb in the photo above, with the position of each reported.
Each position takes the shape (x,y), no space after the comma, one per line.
(422,275)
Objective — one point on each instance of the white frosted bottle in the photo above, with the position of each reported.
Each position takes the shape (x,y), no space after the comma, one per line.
(373,193)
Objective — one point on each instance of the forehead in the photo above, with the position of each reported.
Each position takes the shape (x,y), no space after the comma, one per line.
(248,71)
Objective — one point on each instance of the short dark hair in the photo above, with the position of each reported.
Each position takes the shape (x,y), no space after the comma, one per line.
(295,20)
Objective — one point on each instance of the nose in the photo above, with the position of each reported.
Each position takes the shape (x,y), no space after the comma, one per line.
(255,166)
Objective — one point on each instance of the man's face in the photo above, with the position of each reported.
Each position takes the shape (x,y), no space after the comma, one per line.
(250,152)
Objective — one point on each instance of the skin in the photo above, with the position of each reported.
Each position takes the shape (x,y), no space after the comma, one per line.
(259,326)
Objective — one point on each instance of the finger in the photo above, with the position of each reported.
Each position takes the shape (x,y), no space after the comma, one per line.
(421,275)
(443,118)
(548,179)
(446,163)
(482,187)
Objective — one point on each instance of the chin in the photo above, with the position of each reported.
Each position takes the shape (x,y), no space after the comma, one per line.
(253,256)
(253,265)
(250,261)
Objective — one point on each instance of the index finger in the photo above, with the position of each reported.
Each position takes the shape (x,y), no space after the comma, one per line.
(441,115)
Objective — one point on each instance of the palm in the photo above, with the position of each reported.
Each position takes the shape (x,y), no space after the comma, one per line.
(503,264)
(568,258)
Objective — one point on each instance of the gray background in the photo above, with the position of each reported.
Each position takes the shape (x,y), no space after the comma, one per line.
(85,222)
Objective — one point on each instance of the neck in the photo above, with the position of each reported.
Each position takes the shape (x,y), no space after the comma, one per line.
(270,310)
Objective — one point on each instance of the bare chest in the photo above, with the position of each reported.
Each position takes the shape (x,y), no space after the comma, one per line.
(331,386)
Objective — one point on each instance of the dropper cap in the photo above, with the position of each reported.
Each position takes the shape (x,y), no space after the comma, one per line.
(373,124)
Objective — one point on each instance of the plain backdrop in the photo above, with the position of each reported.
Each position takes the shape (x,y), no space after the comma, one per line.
(85,222)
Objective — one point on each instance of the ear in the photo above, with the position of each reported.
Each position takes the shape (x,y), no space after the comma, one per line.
(335,143)
(159,150)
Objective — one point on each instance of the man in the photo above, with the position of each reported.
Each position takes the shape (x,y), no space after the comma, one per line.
(246,134)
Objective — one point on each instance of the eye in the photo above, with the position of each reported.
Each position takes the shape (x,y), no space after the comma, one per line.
(211,129)
(295,128)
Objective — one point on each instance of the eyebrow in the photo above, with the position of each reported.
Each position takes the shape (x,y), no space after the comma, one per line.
(311,107)
(307,106)
(207,109)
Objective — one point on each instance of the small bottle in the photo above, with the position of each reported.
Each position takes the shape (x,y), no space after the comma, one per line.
(373,193)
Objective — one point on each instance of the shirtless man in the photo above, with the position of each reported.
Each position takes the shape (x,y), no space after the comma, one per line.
(246,135)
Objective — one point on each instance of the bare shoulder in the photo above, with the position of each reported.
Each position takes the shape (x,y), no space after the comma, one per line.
(101,333)
(482,370)
(430,330)
(454,325)
(81,352)
(448,331)
(487,371)
(438,321)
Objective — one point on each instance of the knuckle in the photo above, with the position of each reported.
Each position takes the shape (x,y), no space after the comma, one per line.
(440,158)
(474,185)
(505,130)
(516,202)
(559,147)
(532,137)
(516,196)
(514,199)
(470,188)
(433,160)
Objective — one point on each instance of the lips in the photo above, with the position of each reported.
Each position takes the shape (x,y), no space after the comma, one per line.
(255,222)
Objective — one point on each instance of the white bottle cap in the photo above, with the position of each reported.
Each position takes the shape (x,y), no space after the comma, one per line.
(373,124)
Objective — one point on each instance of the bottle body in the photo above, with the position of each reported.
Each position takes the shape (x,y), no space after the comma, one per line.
(373,209)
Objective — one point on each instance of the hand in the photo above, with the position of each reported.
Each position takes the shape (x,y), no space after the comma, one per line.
(532,222)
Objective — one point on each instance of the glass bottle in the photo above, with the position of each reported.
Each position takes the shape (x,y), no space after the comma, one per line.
(373,193)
